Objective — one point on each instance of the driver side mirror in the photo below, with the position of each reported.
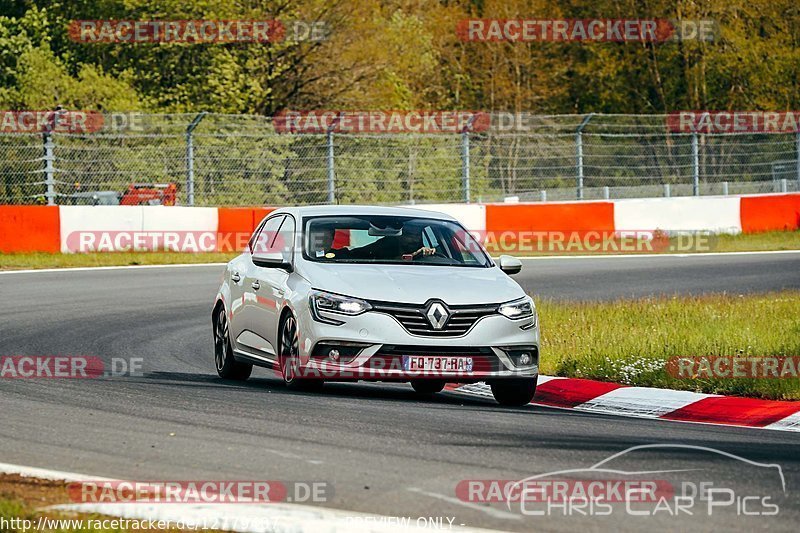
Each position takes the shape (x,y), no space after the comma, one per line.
(271,260)
(510,265)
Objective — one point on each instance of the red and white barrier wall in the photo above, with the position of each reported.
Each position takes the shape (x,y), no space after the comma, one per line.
(53,229)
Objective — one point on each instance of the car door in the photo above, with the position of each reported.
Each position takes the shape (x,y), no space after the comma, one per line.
(270,287)
(238,272)
(253,331)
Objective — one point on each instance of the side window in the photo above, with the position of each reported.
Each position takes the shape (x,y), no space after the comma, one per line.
(284,241)
(264,239)
(252,242)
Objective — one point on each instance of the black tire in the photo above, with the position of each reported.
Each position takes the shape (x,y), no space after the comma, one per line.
(227,366)
(514,392)
(428,386)
(288,357)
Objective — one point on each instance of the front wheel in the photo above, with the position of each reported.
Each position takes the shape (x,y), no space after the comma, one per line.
(227,366)
(289,357)
(514,392)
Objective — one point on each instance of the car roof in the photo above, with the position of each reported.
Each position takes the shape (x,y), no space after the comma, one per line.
(343,210)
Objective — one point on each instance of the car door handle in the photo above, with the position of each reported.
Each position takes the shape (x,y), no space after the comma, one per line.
(235,277)
(256,285)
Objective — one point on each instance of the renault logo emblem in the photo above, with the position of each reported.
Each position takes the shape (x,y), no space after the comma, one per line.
(437,315)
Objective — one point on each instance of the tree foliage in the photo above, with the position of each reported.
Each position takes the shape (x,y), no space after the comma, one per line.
(402,54)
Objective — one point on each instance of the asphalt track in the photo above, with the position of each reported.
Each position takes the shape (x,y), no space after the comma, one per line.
(381,449)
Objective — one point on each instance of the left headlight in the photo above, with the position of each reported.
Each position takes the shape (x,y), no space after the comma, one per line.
(336,303)
(521,308)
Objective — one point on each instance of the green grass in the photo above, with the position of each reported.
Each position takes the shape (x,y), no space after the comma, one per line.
(46,260)
(755,242)
(699,243)
(630,341)
(15,509)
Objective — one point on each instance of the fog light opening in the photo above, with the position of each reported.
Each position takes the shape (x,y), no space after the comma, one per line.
(522,356)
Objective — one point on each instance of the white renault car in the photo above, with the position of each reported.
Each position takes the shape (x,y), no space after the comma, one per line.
(347,293)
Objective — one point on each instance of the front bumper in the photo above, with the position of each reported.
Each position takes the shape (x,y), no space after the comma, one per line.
(383,343)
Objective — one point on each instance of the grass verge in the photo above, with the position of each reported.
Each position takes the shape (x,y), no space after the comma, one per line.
(22,503)
(630,342)
(575,244)
(757,242)
(46,260)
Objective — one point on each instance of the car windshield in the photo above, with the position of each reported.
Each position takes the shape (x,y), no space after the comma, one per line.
(391,239)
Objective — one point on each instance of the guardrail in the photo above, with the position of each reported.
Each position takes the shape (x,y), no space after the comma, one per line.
(59,228)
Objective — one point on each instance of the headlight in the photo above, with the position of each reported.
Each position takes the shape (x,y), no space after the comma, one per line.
(336,303)
(521,308)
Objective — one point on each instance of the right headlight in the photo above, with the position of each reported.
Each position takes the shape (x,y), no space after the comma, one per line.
(522,308)
(335,303)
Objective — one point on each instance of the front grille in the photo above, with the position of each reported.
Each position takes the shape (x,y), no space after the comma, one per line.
(414,320)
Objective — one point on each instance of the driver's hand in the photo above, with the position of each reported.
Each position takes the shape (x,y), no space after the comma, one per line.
(424,251)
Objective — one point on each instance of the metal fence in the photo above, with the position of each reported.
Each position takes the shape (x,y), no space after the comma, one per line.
(242,160)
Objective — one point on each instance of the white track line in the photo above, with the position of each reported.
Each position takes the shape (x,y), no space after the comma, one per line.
(491,511)
(239,517)
(663,256)
(120,267)
(43,473)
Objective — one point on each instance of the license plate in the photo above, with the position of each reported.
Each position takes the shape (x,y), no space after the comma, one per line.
(428,363)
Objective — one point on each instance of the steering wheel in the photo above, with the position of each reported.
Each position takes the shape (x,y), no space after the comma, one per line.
(436,253)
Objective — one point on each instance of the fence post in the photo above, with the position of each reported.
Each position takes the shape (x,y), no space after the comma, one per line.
(666,190)
(579,154)
(543,195)
(331,169)
(190,158)
(49,155)
(330,158)
(465,184)
(695,165)
(49,168)
(465,165)
(725,188)
(797,135)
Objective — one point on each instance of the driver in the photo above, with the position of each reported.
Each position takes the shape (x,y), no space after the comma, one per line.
(413,241)
(407,246)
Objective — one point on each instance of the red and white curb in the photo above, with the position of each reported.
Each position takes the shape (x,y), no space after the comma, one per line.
(646,402)
(238,517)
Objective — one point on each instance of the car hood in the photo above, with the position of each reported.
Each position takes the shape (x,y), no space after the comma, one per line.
(413,284)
